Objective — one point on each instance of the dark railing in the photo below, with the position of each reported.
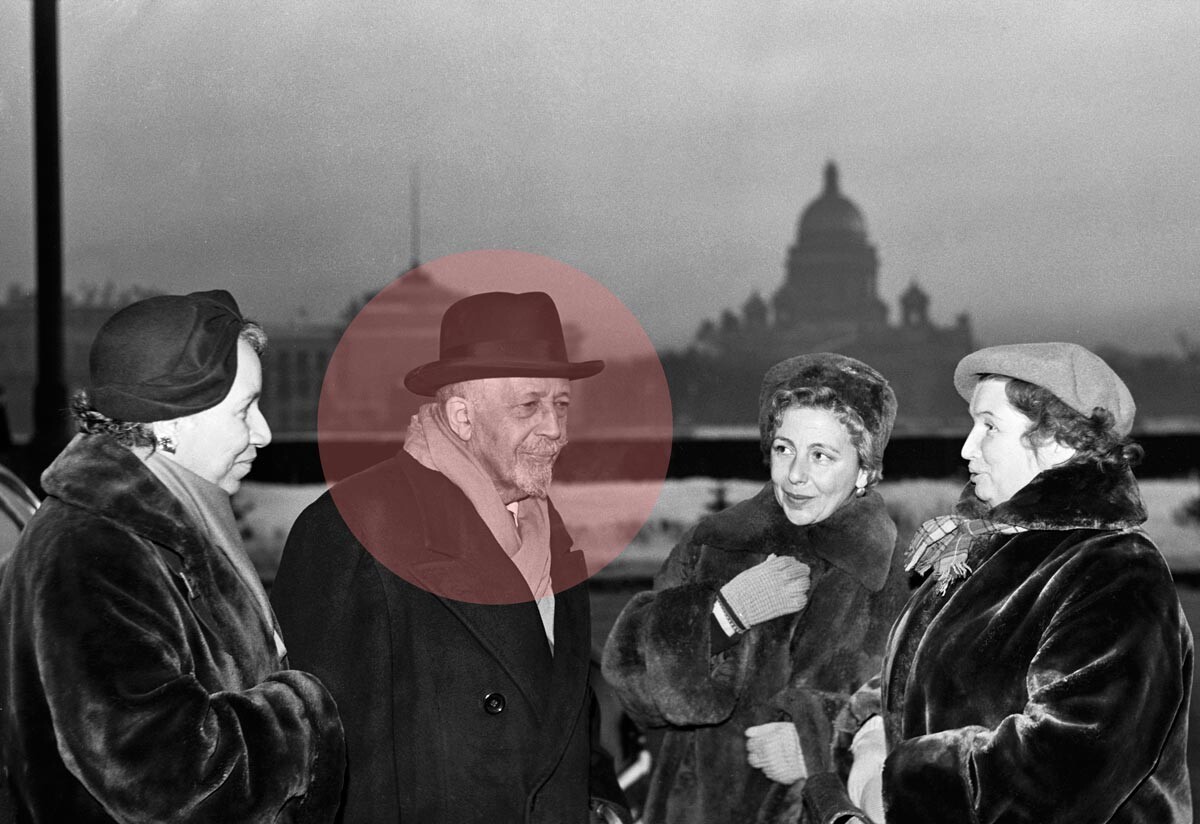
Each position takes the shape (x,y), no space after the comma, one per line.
(298,461)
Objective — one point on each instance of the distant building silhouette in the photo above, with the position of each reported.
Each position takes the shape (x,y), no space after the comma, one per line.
(395,330)
(367,394)
(293,368)
(84,313)
(828,301)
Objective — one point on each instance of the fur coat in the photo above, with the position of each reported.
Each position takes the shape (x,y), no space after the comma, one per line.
(140,681)
(800,667)
(455,712)
(1051,686)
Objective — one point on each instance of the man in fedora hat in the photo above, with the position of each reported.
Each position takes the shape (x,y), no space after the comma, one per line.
(437,596)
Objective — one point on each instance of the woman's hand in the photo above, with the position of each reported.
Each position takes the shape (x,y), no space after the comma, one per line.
(770,588)
(865,784)
(774,748)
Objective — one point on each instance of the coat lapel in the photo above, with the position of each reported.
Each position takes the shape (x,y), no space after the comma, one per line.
(98,475)
(513,635)
(464,559)
(461,557)
(569,677)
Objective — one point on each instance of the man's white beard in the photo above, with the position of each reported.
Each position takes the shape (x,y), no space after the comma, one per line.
(533,472)
(533,475)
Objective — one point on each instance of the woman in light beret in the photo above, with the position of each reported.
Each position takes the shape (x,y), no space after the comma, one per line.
(144,676)
(1042,672)
(766,616)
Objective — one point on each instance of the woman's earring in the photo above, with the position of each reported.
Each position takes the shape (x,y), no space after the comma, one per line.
(166,444)
(859,491)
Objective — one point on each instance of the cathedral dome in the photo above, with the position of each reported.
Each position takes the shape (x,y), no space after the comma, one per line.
(832,217)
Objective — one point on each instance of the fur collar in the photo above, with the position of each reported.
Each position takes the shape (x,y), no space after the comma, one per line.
(858,538)
(100,476)
(1075,495)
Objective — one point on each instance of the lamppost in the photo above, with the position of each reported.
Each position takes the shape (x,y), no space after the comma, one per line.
(50,393)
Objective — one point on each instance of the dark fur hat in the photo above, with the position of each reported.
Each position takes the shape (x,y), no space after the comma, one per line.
(857,385)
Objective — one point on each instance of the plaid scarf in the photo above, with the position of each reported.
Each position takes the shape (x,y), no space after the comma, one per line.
(942,543)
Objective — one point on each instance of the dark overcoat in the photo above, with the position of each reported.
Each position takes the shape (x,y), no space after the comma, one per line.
(1051,686)
(455,712)
(800,667)
(139,681)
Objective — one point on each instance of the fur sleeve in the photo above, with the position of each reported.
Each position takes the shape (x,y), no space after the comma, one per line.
(658,654)
(134,724)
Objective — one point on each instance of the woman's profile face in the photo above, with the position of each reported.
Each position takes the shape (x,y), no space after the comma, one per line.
(997,456)
(814,465)
(220,443)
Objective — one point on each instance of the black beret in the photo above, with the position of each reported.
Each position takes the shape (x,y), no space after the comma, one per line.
(166,357)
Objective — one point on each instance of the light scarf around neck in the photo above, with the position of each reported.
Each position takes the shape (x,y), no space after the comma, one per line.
(209,506)
(435,446)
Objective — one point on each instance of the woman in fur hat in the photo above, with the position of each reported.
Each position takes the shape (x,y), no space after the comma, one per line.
(144,676)
(766,616)
(1042,673)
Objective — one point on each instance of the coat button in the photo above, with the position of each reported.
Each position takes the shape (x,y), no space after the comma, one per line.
(493,703)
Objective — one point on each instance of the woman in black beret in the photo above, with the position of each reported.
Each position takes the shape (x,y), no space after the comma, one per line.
(766,616)
(144,678)
(1042,672)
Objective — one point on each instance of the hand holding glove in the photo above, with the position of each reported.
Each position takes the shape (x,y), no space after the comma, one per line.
(774,748)
(774,587)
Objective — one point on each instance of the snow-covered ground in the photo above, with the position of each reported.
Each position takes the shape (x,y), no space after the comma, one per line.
(270,509)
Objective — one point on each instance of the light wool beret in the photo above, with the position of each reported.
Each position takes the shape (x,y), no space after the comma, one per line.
(1081,379)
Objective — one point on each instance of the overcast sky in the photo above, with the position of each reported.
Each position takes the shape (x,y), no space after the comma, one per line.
(1034,164)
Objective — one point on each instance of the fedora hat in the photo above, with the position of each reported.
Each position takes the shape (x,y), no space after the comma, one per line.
(499,335)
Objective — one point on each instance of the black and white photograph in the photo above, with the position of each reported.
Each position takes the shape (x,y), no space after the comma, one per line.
(452,412)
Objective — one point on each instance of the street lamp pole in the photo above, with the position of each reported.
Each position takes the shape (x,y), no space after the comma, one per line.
(50,393)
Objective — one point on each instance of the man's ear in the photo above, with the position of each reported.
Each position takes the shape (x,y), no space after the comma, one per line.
(459,416)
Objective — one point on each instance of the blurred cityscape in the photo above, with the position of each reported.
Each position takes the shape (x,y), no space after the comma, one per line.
(828,301)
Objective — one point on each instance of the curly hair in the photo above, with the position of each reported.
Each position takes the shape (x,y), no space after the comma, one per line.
(91,421)
(254,335)
(1091,436)
(870,455)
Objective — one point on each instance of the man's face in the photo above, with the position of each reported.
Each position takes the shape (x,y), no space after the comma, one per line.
(519,425)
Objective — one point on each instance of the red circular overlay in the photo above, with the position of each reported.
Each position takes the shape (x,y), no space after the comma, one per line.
(606,480)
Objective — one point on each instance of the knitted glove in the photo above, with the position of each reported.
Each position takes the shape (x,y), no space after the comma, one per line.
(774,587)
(865,784)
(774,748)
